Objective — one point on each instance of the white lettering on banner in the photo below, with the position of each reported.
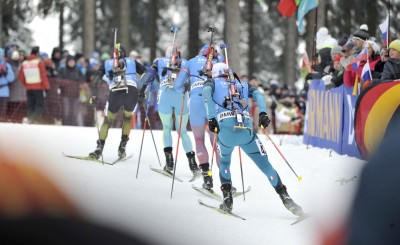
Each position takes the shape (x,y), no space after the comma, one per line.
(197,85)
(351,110)
(261,148)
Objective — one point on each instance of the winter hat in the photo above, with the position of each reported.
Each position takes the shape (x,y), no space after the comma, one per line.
(35,50)
(15,55)
(70,57)
(44,55)
(362,33)
(395,45)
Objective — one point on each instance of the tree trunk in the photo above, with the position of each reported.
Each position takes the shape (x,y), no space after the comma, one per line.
(232,33)
(347,16)
(310,33)
(124,32)
(88,27)
(289,55)
(153,28)
(194,26)
(61,26)
(372,17)
(250,64)
(321,13)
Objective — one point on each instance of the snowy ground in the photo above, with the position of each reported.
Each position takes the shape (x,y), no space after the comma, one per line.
(113,196)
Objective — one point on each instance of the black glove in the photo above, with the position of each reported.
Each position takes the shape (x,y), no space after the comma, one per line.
(263,120)
(164,71)
(186,87)
(141,97)
(213,125)
(111,74)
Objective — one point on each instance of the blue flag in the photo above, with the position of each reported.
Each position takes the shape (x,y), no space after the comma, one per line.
(304,7)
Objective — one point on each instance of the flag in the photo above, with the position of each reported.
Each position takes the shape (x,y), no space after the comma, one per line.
(287,7)
(354,63)
(304,7)
(366,73)
(385,31)
(305,65)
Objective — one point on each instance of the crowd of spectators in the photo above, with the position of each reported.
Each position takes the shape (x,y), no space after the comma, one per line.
(341,61)
(54,89)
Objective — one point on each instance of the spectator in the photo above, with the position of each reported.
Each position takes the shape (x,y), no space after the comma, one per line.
(325,44)
(6,77)
(34,77)
(53,98)
(81,63)
(374,60)
(56,56)
(335,77)
(287,117)
(391,70)
(359,38)
(17,103)
(275,94)
(71,78)
(384,53)
(347,52)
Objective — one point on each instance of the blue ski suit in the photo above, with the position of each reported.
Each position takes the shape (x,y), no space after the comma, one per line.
(169,100)
(215,92)
(198,117)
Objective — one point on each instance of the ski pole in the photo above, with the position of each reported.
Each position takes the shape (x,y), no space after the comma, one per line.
(213,151)
(276,147)
(141,147)
(241,172)
(151,131)
(92,102)
(177,144)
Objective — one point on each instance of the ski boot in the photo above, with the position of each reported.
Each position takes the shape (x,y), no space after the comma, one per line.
(169,166)
(288,202)
(192,163)
(122,146)
(99,150)
(207,177)
(227,204)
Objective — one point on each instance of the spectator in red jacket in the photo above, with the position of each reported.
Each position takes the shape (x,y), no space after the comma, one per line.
(34,77)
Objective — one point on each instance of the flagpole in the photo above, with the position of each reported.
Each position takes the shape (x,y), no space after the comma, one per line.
(314,48)
(388,31)
(369,67)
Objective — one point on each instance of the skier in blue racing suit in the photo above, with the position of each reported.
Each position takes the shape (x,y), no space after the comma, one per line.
(195,72)
(226,100)
(165,70)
